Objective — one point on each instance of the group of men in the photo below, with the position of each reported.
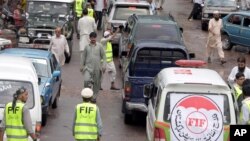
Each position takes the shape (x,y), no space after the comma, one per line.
(239,80)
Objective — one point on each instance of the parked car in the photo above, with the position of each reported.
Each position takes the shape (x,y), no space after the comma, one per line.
(145,60)
(120,12)
(223,6)
(186,104)
(162,28)
(17,72)
(236,30)
(43,17)
(49,76)
(9,34)
(4,43)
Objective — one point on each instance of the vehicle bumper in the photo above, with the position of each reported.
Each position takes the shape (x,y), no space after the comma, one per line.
(39,46)
(132,106)
(34,42)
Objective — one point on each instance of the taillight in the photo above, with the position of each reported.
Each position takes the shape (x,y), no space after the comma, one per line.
(127,90)
(159,134)
(8,46)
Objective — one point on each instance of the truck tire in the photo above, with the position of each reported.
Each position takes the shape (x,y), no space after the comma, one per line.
(128,119)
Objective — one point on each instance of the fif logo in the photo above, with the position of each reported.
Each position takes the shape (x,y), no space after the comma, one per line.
(196,118)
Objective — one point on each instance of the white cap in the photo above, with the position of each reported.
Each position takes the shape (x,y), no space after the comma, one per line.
(216,12)
(87,93)
(106,33)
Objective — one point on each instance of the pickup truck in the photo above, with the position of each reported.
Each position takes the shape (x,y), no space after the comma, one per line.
(145,59)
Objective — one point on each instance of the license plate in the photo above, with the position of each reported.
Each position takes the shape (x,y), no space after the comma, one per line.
(24,39)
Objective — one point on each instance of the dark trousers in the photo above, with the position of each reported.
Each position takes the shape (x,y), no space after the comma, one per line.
(98,19)
(195,10)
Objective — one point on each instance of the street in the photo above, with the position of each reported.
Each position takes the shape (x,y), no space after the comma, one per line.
(59,126)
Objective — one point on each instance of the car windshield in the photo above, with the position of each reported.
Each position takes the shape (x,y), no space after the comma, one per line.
(9,87)
(149,61)
(206,103)
(41,67)
(122,12)
(221,3)
(167,32)
(49,8)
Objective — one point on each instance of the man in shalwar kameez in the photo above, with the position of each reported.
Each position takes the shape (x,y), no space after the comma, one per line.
(93,64)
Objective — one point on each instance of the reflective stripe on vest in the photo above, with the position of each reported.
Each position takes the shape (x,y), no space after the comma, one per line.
(78,7)
(109,52)
(237,91)
(247,102)
(85,123)
(15,130)
(91,12)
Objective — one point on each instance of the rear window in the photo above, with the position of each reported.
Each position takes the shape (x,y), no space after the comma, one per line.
(166,32)
(8,88)
(149,61)
(123,12)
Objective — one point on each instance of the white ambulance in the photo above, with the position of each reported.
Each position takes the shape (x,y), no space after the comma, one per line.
(189,104)
(16,72)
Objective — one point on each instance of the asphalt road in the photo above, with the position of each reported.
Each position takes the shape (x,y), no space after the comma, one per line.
(59,126)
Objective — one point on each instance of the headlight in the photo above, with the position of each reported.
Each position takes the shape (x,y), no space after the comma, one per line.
(31,32)
(39,35)
(205,15)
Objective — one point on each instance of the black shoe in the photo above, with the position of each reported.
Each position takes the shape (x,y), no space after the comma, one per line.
(222,62)
(114,88)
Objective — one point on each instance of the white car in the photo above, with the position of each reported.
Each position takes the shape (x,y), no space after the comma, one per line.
(120,12)
(16,72)
(189,104)
(4,43)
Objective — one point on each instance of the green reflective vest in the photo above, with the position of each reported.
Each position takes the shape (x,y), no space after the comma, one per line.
(237,91)
(85,126)
(91,12)
(15,130)
(78,7)
(247,102)
(109,52)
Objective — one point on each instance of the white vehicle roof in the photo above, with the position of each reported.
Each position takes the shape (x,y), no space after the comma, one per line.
(190,76)
(63,1)
(143,3)
(17,68)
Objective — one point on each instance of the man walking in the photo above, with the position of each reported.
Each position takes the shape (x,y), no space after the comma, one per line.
(110,67)
(91,64)
(197,5)
(86,25)
(100,5)
(214,37)
(16,120)
(87,121)
(59,45)
(79,6)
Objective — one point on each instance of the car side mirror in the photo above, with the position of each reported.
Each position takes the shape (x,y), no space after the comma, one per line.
(56,74)
(191,55)
(147,90)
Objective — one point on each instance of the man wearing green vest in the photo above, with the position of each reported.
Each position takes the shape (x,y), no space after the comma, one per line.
(79,6)
(87,124)
(91,12)
(16,120)
(239,79)
(245,109)
(110,66)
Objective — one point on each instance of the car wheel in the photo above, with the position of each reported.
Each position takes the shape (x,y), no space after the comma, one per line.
(45,116)
(128,119)
(55,103)
(226,43)
(204,26)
